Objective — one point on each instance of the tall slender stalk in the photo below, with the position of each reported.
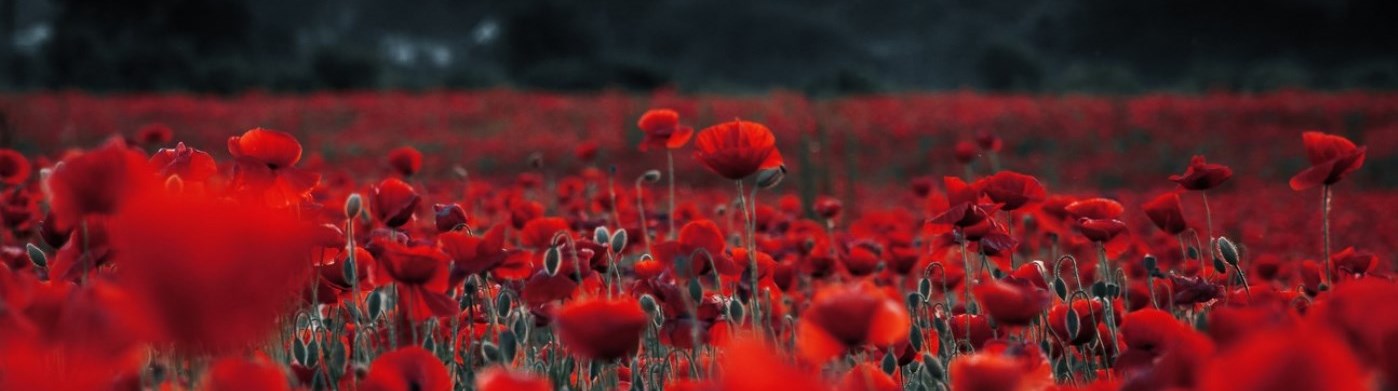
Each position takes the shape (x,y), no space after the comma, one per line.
(1325,227)
(670,162)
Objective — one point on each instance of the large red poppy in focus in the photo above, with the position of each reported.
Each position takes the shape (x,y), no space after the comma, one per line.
(1332,158)
(738,149)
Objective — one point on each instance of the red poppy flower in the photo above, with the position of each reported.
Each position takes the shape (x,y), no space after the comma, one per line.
(410,368)
(1101,230)
(1012,303)
(1286,359)
(849,317)
(1165,211)
(1201,175)
(394,202)
(96,182)
(14,167)
(867,377)
(405,160)
(989,141)
(498,378)
(1096,208)
(473,254)
(272,148)
(601,329)
(738,149)
(695,236)
(979,331)
(538,233)
(1332,157)
(235,374)
(987,372)
(964,209)
(663,129)
(751,366)
(1351,262)
(828,207)
(1147,333)
(1011,189)
(414,265)
(216,274)
(1088,313)
(190,164)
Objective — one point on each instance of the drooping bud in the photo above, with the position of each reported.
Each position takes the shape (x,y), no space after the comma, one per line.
(553,259)
(769,178)
(736,310)
(648,303)
(650,176)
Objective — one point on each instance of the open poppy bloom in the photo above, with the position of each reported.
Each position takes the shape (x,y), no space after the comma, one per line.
(473,254)
(1166,213)
(1202,175)
(1332,158)
(663,129)
(189,163)
(601,329)
(1290,358)
(738,149)
(217,275)
(964,209)
(96,182)
(406,161)
(1012,190)
(422,274)
(841,318)
(410,368)
(14,167)
(394,202)
(699,245)
(265,160)
(1012,302)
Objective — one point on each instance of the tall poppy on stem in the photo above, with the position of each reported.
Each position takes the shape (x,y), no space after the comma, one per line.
(736,150)
(1332,158)
(662,128)
(1201,176)
(265,162)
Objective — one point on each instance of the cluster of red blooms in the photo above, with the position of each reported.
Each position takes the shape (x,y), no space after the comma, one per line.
(139,264)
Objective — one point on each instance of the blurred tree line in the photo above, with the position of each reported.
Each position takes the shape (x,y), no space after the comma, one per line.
(818,46)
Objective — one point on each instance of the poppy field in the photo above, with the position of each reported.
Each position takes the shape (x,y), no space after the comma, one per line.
(504,240)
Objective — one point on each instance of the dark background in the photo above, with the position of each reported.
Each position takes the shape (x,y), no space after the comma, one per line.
(815,46)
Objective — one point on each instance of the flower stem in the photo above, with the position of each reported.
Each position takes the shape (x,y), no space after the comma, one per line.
(670,160)
(1325,227)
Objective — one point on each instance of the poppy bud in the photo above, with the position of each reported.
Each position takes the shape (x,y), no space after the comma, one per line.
(507,345)
(769,178)
(1071,321)
(924,288)
(1219,266)
(1227,250)
(618,241)
(1149,263)
(696,290)
(890,363)
(650,176)
(353,205)
(503,303)
(601,235)
(552,261)
(1061,288)
(461,171)
(915,337)
(648,304)
(736,310)
(36,255)
(375,302)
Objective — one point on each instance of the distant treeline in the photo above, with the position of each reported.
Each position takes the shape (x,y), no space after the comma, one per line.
(816,46)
